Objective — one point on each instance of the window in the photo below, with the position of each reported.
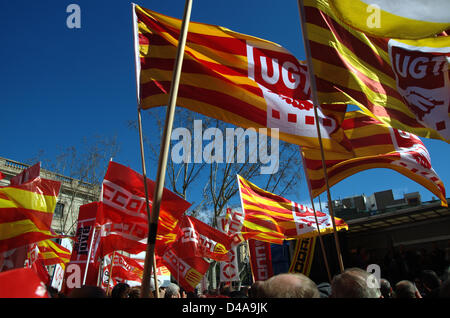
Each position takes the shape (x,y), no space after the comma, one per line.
(59,209)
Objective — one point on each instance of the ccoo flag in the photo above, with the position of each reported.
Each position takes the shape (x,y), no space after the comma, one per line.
(406,19)
(271,218)
(236,78)
(403,83)
(375,145)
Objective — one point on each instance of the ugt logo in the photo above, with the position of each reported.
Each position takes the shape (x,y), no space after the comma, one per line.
(423,82)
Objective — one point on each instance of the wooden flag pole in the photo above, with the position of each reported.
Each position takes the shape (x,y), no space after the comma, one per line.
(155,274)
(165,144)
(89,255)
(110,273)
(316,104)
(147,204)
(317,221)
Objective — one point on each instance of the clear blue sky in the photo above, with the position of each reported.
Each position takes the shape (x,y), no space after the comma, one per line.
(59,85)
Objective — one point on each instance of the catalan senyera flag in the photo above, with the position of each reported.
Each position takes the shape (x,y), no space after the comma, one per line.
(52,253)
(233,77)
(406,19)
(375,145)
(272,218)
(403,83)
(26,212)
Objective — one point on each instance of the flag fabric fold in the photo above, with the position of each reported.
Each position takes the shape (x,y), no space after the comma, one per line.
(198,239)
(187,271)
(26,212)
(375,145)
(272,218)
(52,253)
(406,19)
(403,83)
(126,269)
(123,212)
(233,77)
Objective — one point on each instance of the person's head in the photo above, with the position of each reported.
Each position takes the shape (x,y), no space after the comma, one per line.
(353,283)
(430,280)
(225,290)
(172,291)
(87,291)
(120,290)
(406,289)
(385,288)
(135,292)
(255,290)
(290,285)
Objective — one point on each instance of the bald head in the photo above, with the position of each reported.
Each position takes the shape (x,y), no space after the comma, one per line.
(352,283)
(290,286)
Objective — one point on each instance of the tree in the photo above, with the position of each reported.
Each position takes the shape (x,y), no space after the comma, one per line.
(208,173)
(81,170)
(208,178)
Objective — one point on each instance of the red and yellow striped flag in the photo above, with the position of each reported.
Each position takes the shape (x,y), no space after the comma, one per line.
(51,253)
(271,218)
(26,212)
(403,83)
(233,77)
(376,145)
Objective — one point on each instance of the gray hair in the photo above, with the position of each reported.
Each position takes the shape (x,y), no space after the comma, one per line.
(172,291)
(289,285)
(352,283)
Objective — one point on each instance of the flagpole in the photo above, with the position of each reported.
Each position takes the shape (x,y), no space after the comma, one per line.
(155,274)
(165,143)
(110,272)
(317,221)
(316,105)
(89,256)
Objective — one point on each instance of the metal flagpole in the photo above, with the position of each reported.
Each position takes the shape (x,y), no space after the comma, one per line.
(165,143)
(316,104)
(317,221)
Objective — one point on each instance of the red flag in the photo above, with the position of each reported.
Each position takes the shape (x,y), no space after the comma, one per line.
(122,235)
(196,238)
(187,271)
(26,175)
(260,259)
(126,268)
(21,283)
(39,268)
(124,213)
(80,251)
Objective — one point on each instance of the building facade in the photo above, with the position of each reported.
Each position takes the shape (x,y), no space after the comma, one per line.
(73,193)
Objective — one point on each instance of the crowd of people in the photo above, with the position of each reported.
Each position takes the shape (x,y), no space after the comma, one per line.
(405,273)
(354,282)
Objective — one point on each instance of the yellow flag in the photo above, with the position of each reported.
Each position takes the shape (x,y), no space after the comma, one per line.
(406,19)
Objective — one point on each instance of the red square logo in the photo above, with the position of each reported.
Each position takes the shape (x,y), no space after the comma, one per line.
(326,122)
(275,114)
(309,120)
(292,118)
